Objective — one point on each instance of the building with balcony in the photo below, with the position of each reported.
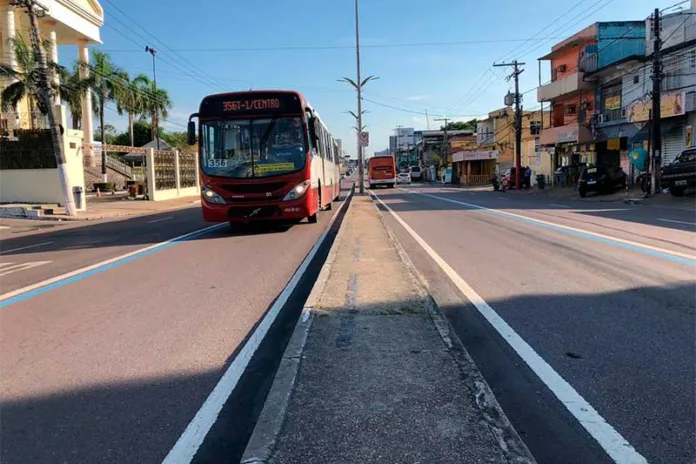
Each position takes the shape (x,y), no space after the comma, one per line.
(572,96)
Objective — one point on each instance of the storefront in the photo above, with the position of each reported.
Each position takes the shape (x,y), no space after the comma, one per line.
(475,167)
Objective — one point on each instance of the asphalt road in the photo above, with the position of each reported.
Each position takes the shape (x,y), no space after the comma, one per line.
(615,320)
(112,367)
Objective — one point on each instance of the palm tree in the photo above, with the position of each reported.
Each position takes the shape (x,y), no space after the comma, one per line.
(131,99)
(72,91)
(105,80)
(25,78)
(157,106)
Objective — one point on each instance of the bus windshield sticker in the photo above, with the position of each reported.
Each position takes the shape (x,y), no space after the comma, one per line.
(276,167)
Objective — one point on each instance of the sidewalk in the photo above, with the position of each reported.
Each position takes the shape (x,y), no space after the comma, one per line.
(372,373)
(97,209)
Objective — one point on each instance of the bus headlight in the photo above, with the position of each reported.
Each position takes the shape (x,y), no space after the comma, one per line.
(298,191)
(211,196)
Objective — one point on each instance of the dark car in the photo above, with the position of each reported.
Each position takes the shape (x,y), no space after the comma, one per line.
(601,179)
(680,174)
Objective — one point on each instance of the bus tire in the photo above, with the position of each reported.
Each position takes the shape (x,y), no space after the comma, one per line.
(313,219)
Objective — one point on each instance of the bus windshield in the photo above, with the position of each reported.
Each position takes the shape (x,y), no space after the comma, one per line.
(244,148)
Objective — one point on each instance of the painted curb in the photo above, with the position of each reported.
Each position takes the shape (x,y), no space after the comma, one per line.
(268,427)
(511,445)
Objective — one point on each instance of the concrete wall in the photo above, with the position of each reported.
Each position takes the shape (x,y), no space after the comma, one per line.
(43,185)
(168,194)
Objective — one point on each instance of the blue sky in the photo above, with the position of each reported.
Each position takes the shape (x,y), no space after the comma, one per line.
(217,37)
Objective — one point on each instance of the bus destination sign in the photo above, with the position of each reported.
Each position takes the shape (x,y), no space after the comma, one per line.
(242,104)
(251,106)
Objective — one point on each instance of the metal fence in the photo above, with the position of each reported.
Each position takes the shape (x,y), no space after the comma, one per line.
(187,170)
(32,149)
(165,170)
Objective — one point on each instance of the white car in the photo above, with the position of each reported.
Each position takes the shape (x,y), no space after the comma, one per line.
(403,178)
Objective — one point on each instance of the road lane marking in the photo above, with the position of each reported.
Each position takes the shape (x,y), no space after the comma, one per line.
(678,222)
(188,443)
(24,248)
(15,296)
(4,227)
(635,246)
(11,268)
(616,446)
(560,206)
(502,198)
(160,220)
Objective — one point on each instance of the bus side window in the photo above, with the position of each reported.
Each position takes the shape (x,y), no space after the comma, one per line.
(322,143)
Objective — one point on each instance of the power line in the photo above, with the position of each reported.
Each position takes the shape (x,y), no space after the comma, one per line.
(333,47)
(158,40)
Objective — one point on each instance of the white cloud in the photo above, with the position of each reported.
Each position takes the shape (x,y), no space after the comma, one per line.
(417,97)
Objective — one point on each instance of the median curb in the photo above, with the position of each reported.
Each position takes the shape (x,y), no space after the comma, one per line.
(498,424)
(270,422)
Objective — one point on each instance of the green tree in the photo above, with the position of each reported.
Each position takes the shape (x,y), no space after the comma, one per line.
(105,80)
(461,125)
(142,134)
(25,78)
(72,90)
(178,140)
(131,99)
(157,106)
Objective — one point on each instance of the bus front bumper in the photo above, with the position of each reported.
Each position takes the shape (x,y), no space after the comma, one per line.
(255,212)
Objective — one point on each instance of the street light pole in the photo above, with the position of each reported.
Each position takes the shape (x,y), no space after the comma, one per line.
(361,159)
(358,84)
(153,52)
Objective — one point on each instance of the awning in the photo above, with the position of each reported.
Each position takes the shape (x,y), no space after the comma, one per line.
(665,126)
(616,131)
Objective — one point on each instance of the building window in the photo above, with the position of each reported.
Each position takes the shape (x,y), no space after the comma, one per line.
(571,109)
(636,79)
(692,59)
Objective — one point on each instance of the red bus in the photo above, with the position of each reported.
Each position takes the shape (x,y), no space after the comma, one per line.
(264,155)
(381,171)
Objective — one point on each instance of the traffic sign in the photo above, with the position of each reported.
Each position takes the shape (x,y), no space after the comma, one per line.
(365,139)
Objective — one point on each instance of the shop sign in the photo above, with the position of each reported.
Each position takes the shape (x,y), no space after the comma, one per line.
(474,155)
(671,104)
(612,103)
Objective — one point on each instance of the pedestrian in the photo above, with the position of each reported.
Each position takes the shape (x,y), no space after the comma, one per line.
(527,177)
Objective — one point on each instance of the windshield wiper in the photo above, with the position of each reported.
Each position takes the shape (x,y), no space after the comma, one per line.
(267,134)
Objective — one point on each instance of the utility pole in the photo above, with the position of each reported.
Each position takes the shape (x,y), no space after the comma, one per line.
(46,94)
(155,129)
(518,119)
(656,158)
(427,119)
(445,144)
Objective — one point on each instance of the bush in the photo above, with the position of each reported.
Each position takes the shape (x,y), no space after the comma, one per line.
(104,186)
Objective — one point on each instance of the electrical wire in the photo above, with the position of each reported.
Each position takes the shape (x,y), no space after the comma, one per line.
(184,60)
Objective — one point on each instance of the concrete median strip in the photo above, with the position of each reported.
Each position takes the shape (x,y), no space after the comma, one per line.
(373,370)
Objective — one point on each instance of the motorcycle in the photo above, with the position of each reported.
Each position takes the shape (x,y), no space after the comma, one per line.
(496,184)
(645,181)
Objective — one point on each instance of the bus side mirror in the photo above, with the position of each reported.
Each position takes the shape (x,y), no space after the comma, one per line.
(191,133)
(314,131)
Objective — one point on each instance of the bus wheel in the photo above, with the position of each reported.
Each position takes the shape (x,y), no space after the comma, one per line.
(313,219)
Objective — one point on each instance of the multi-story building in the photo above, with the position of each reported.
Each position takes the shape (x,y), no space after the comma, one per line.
(572,97)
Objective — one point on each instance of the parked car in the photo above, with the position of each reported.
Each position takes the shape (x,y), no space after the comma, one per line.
(403,178)
(601,179)
(680,174)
